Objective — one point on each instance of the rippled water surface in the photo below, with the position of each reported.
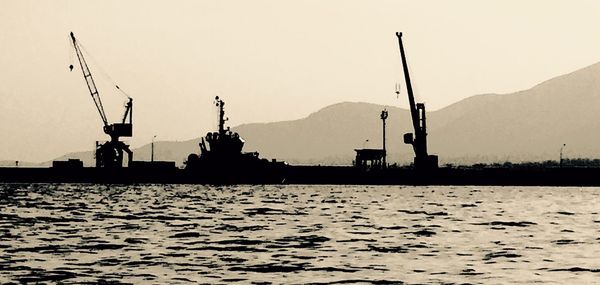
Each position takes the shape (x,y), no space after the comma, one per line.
(299,234)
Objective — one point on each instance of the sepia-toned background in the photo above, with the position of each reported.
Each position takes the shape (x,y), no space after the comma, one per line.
(269,60)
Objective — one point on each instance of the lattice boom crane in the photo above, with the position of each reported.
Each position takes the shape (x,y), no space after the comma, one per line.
(109,154)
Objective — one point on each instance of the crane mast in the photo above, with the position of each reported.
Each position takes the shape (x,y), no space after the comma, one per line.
(109,154)
(417,112)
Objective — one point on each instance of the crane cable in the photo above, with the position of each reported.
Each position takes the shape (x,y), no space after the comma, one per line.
(99,68)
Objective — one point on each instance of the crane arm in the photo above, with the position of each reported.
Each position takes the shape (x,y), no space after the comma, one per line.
(87,75)
(411,99)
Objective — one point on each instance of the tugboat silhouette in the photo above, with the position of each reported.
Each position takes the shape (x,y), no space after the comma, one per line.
(222,161)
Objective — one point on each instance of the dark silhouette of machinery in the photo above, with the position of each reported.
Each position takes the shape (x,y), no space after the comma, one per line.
(417,111)
(110,153)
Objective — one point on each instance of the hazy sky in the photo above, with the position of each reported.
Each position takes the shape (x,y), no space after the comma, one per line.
(270,60)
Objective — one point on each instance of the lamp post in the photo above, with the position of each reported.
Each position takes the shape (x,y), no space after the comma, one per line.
(560,163)
(152,149)
(384,116)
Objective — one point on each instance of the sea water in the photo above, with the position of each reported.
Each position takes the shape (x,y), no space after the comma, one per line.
(180,234)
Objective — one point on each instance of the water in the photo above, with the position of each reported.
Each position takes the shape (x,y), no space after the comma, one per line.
(299,234)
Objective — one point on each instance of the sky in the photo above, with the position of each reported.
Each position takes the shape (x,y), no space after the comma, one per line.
(269,60)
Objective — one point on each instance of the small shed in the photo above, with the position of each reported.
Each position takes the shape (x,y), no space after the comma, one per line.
(369,158)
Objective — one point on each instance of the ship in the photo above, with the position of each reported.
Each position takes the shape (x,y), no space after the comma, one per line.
(221,159)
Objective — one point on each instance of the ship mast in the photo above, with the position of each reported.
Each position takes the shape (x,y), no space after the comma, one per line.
(221,104)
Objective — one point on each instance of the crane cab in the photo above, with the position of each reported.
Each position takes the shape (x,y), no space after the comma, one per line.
(119,130)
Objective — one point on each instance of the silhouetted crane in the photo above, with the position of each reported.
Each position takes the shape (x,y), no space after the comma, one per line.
(417,112)
(109,154)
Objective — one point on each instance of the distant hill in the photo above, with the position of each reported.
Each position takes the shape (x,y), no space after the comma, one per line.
(529,125)
(330,135)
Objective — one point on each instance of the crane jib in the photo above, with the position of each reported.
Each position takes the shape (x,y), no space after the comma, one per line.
(114,130)
(110,153)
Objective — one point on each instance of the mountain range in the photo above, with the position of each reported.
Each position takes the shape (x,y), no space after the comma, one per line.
(529,125)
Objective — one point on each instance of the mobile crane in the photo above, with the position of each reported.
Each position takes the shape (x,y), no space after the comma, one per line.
(110,153)
(417,112)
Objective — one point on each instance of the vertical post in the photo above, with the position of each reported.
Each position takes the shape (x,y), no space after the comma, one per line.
(384,115)
(97,155)
(560,162)
(384,151)
(421,135)
(130,111)
(152,149)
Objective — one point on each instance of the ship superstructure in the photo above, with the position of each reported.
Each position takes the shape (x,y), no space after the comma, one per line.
(221,154)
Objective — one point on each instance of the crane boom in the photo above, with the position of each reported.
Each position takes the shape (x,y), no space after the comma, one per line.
(87,75)
(411,98)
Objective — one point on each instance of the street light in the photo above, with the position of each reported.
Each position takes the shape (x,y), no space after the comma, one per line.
(561,155)
(152,151)
(384,116)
